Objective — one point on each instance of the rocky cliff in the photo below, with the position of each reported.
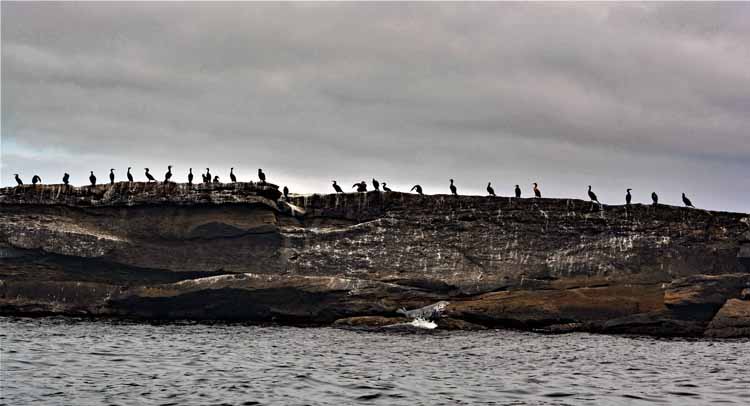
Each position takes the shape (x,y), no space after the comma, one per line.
(237,252)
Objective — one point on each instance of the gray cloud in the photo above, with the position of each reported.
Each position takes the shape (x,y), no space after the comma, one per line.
(648,96)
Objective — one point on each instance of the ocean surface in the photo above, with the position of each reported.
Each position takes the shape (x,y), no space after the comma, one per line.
(61,361)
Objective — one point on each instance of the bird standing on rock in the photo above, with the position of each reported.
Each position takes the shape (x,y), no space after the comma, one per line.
(66,178)
(216,179)
(537,192)
(261,175)
(628,197)
(654,198)
(207,177)
(111,176)
(592,196)
(231,175)
(453,188)
(149,176)
(361,186)
(18,180)
(286,193)
(190,176)
(168,175)
(36,179)
(92,179)
(490,190)
(687,201)
(130,176)
(337,188)
(518,191)
(375,184)
(386,188)
(418,188)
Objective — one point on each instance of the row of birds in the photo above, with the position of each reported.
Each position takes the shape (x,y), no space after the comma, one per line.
(360,186)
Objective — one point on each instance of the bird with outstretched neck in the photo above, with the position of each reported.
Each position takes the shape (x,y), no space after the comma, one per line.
(537,192)
(336,187)
(687,201)
(592,196)
(518,191)
(386,188)
(418,188)
(490,190)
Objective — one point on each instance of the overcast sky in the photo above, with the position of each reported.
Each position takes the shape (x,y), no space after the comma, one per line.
(655,97)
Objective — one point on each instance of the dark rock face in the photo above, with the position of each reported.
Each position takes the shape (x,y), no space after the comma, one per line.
(235,252)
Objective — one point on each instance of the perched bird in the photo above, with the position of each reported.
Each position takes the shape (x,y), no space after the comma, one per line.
(453,188)
(628,197)
(286,193)
(654,198)
(168,175)
(592,196)
(687,201)
(149,176)
(375,184)
(490,190)
(518,191)
(216,179)
(130,176)
(417,188)
(261,175)
(537,192)
(386,188)
(66,178)
(92,178)
(337,188)
(190,176)
(111,176)
(207,177)
(231,175)
(36,179)
(361,186)
(18,180)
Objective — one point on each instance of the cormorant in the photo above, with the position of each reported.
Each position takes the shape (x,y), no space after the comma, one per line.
(628,197)
(66,178)
(286,193)
(687,201)
(18,180)
(207,176)
(168,175)
(216,179)
(336,187)
(92,178)
(149,176)
(231,175)
(537,192)
(36,179)
(518,191)
(130,177)
(111,176)
(453,188)
(655,198)
(417,188)
(592,196)
(375,184)
(490,190)
(190,176)
(386,188)
(361,186)
(261,175)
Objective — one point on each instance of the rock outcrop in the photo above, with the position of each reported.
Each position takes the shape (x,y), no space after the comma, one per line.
(236,252)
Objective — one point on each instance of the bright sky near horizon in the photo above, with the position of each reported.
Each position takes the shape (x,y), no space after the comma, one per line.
(648,96)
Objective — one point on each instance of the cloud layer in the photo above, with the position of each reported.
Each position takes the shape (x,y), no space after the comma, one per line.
(647,96)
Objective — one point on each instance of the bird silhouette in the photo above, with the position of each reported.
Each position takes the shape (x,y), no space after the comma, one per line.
(66,178)
(18,180)
(687,201)
(537,192)
(386,188)
(518,191)
(286,193)
(453,188)
(130,176)
(418,188)
(207,177)
(190,176)
(361,186)
(36,179)
(375,184)
(92,179)
(628,197)
(168,175)
(655,198)
(490,190)
(111,176)
(216,179)
(261,175)
(149,176)
(592,196)
(231,175)
(336,187)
